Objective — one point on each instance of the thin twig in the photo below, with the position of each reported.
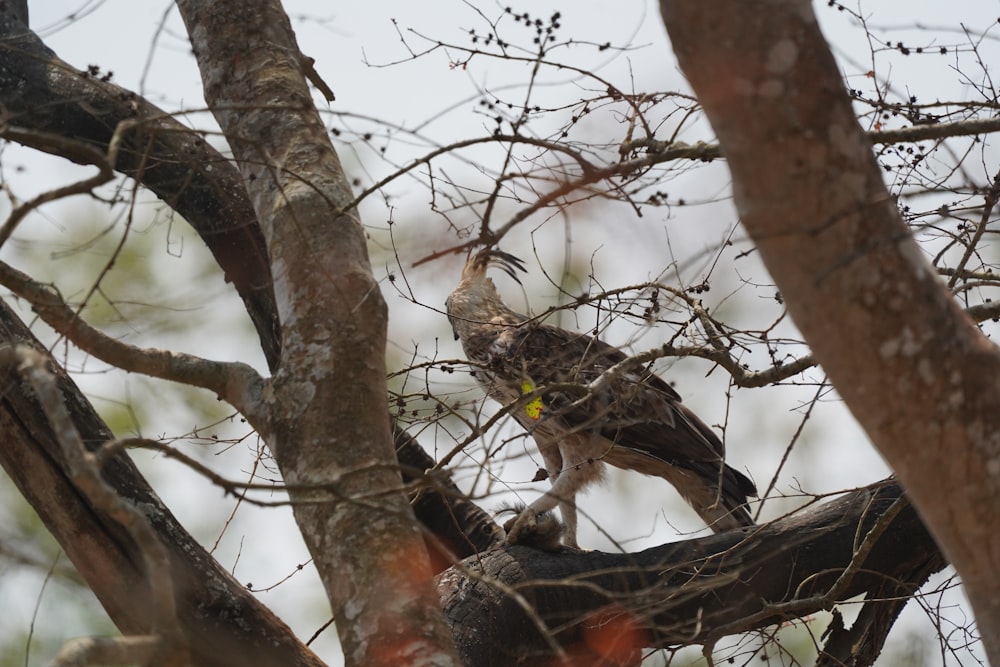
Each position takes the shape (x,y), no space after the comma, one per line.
(74,150)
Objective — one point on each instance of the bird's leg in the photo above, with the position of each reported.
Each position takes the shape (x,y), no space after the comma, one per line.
(581,467)
(565,485)
(523,527)
(563,493)
(567,510)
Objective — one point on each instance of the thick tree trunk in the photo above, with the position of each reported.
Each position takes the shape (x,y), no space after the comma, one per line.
(223,624)
(913,369)
(327,423)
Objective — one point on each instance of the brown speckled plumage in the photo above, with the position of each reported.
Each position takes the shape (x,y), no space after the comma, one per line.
(634,421)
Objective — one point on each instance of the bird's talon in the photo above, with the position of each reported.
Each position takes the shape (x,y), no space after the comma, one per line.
(522,525)
(539,531)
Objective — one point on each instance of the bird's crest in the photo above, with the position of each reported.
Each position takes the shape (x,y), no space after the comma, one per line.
(476,301)
(477,264)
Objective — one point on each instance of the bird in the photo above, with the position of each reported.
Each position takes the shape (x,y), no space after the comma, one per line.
(598,411)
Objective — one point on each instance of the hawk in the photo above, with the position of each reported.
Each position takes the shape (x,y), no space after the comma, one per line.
(630,419)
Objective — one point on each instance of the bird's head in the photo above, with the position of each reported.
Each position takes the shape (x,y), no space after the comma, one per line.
(475,299)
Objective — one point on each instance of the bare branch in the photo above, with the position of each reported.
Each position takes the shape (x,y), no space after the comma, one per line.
(75,150)
(960,128)
(860,289)
(990,201)
(223,624)
(659,152)
(44,97)
(328,406)
(84,469)
(234,382)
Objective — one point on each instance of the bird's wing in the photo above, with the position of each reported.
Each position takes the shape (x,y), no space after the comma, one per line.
(635,409)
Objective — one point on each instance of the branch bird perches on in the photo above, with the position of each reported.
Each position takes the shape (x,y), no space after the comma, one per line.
(633,420)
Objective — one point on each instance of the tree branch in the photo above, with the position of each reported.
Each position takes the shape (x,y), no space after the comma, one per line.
(79,151)
(693,591)
(660,152)
(47,102)
(917,374)
(84,472)
(235,382)
(329,404)
(223,624)
(455,526)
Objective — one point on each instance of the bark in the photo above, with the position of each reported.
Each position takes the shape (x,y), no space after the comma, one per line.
(916,373)
(327,424)
(698,590)
(223,624)
(454,527)
(50,105)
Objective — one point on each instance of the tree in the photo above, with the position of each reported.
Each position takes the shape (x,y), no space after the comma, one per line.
(379,516)
(811,194)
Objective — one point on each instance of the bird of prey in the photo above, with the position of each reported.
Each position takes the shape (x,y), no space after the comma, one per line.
(628,418)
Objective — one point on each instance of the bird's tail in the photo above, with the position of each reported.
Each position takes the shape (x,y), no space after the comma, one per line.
(730,510)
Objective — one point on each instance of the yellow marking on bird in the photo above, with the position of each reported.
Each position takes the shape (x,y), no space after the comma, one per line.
(534,407)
